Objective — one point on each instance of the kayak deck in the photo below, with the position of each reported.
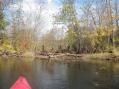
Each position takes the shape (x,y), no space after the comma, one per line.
(21,83)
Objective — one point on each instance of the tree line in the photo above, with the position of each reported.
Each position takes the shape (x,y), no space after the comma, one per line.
(95,29)
(92,27)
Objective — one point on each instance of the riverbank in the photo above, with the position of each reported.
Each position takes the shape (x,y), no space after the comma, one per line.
(63,56)
(103,56)
(78,57)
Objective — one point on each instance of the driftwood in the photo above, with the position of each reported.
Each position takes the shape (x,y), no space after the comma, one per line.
(59,56)
(9,54)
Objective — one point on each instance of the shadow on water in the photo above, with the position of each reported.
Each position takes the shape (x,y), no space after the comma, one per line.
(45,74)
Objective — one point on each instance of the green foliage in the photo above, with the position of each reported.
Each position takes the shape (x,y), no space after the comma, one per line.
(68,12)
(6,46)
(2,23)
(71,36)
(2,19)
(89,41)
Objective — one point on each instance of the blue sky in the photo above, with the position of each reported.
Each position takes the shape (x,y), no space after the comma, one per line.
(51,7)
(31,8)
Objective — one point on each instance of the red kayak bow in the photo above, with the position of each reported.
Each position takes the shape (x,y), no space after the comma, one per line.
(21,83)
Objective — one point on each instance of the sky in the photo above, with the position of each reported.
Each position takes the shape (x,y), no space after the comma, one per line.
(31,10)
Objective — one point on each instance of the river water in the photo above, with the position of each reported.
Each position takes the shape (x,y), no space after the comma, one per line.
(45,74)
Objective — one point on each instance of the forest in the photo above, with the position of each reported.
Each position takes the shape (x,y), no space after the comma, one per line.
(78,27)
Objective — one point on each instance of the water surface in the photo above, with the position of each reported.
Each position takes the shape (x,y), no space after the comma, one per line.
(60,75)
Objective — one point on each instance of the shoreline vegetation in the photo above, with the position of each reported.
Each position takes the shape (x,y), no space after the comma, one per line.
(114,56)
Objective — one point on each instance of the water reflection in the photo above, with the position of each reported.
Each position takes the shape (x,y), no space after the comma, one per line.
(58,75)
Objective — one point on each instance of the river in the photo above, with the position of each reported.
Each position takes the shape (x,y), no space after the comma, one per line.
(45,74)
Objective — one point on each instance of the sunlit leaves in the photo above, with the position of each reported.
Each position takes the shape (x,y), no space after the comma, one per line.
(71,36)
